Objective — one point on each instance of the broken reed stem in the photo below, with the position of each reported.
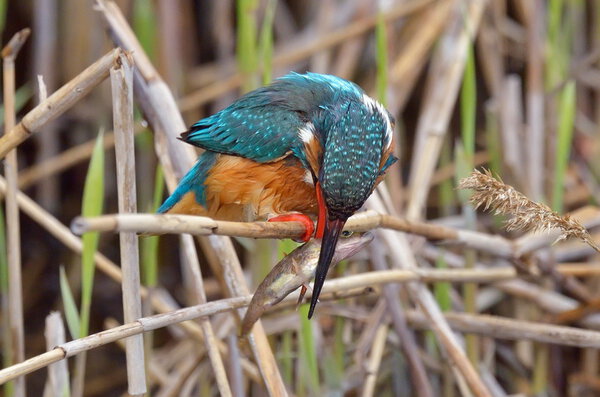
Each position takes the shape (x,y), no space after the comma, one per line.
(58,373)
(59,102)
(492,326)
(526,215)
(13,229)
(63,234)
(121,77)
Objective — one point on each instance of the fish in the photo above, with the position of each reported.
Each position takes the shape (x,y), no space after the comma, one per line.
(295,270)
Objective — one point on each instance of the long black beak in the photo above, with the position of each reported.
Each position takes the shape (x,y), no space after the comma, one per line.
(333,227)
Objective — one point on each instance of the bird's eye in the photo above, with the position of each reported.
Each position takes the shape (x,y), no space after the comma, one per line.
(347,233)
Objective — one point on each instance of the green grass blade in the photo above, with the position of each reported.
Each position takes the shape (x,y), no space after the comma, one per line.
(246,42)
(464,160)
(468,102)
(266,42)
(442,289)
(447,192)
(382,58)
(93,200)
(308,356)
(285,357)
(566,119)
(3,256)
(149,244)
(3,7)
(22,95)
(7,351)
(71,313)
(144,26)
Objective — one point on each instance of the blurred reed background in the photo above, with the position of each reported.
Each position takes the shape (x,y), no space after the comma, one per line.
(511,85)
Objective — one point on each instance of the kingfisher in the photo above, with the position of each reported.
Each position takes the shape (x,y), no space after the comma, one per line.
(306,145)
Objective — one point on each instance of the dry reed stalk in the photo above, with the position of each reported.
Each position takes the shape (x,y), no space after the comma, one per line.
(13,229)
(374,361)
(490,47)
(102,338)
(511,123)
(535,136)
(57,384)
(121,77)
(192,262)
(527,215)
(64,235)
(301,52)
(235,369)
(402,256)
(448,171)
(441,89)
(44,54)
(407,337)
(364,221)
(486,325)
(158,104)
(418,37)
(66,159)
(511,329)
(59,102)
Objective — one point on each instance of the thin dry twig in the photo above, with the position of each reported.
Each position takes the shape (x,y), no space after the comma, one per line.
(527,215)
(13,228)
(59,102)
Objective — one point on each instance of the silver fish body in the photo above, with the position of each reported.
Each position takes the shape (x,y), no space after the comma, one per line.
(295,270)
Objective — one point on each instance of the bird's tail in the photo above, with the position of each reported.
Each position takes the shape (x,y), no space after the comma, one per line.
(190,195)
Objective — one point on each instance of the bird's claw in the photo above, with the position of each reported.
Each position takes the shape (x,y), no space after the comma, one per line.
(309,226)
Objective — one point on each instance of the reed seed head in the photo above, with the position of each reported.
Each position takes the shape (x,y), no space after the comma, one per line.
(526,215)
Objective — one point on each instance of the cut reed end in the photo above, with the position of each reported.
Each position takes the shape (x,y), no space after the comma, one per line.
(79,225)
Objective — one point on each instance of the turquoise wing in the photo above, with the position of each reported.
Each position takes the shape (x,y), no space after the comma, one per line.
(258,126)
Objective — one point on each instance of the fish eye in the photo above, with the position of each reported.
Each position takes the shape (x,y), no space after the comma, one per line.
(347,233)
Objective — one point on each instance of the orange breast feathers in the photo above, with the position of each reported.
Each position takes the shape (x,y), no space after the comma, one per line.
(243,190)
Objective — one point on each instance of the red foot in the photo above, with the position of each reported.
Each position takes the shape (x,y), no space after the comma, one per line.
(309,226)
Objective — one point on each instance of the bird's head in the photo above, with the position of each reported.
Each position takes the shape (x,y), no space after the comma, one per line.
(348,146)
